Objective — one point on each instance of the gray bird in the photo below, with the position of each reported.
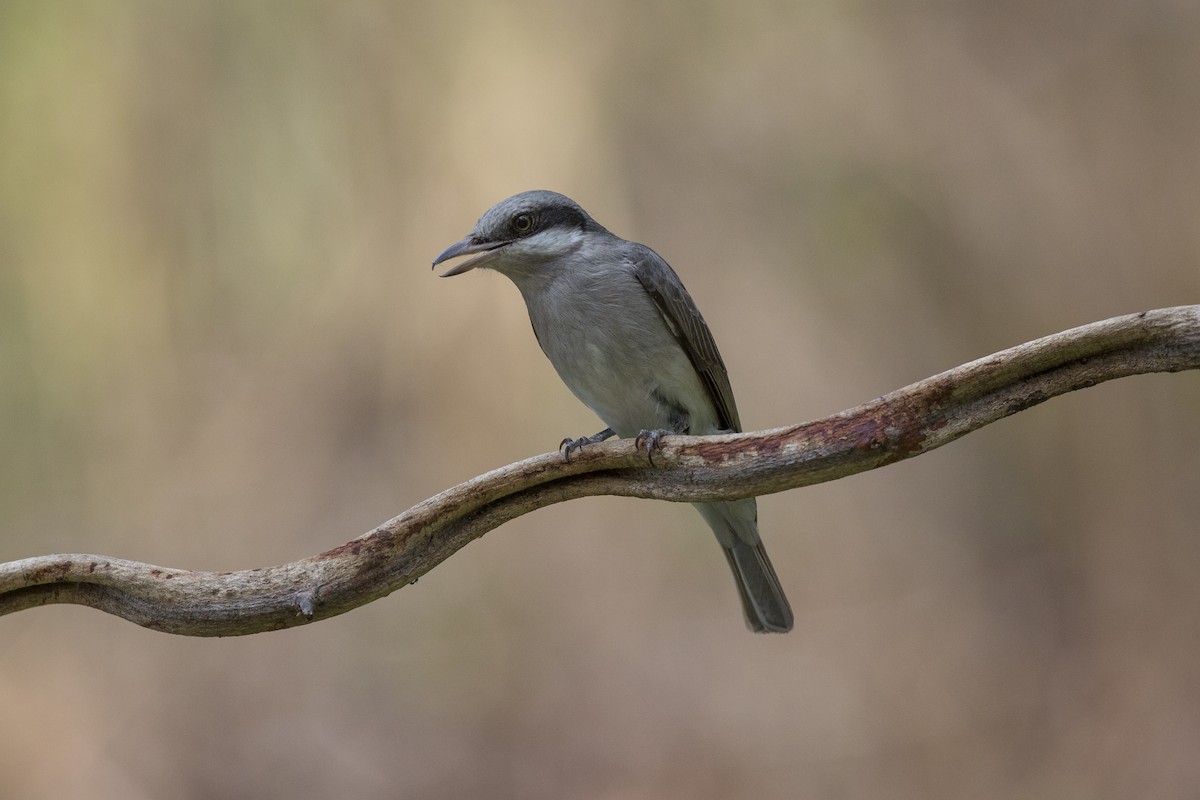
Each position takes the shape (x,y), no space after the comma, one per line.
(627,339)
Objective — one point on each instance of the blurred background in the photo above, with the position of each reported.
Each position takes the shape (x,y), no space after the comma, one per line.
(221,347)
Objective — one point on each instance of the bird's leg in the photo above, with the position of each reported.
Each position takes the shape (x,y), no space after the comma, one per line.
(680,423)
(648,440)
(569,445)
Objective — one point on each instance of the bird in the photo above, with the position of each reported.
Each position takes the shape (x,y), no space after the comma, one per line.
(627,339)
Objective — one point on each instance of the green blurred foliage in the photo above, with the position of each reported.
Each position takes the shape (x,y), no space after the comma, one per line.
(221,346)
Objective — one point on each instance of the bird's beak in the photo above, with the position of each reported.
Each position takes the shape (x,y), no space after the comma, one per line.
(468,246)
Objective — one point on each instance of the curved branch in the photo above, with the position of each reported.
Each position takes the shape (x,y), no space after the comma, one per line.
(900,425)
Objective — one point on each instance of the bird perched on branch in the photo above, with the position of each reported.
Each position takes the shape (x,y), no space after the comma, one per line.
(627,339)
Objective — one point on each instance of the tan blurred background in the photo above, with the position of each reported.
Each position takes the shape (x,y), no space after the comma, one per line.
(221,346)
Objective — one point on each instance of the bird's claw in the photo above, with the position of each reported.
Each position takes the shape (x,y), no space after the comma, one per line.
(569,445)
(648,441)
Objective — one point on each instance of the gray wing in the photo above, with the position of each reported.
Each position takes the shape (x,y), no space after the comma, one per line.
(684,320)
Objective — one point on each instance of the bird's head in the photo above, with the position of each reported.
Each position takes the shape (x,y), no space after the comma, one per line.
(522,233)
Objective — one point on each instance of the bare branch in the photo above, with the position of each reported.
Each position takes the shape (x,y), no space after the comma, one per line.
(900,425)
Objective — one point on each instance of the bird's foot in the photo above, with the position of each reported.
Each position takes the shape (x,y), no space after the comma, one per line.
(569,445)
(648,441)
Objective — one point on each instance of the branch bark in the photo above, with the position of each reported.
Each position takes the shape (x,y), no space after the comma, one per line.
(900,425)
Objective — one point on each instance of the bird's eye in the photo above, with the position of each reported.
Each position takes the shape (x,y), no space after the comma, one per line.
(522,223)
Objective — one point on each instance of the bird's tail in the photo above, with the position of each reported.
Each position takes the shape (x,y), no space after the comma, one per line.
(763,601)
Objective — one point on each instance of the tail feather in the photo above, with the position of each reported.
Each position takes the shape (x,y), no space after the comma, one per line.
(763,601)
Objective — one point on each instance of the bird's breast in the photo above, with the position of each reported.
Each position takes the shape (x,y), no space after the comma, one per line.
(611,347)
